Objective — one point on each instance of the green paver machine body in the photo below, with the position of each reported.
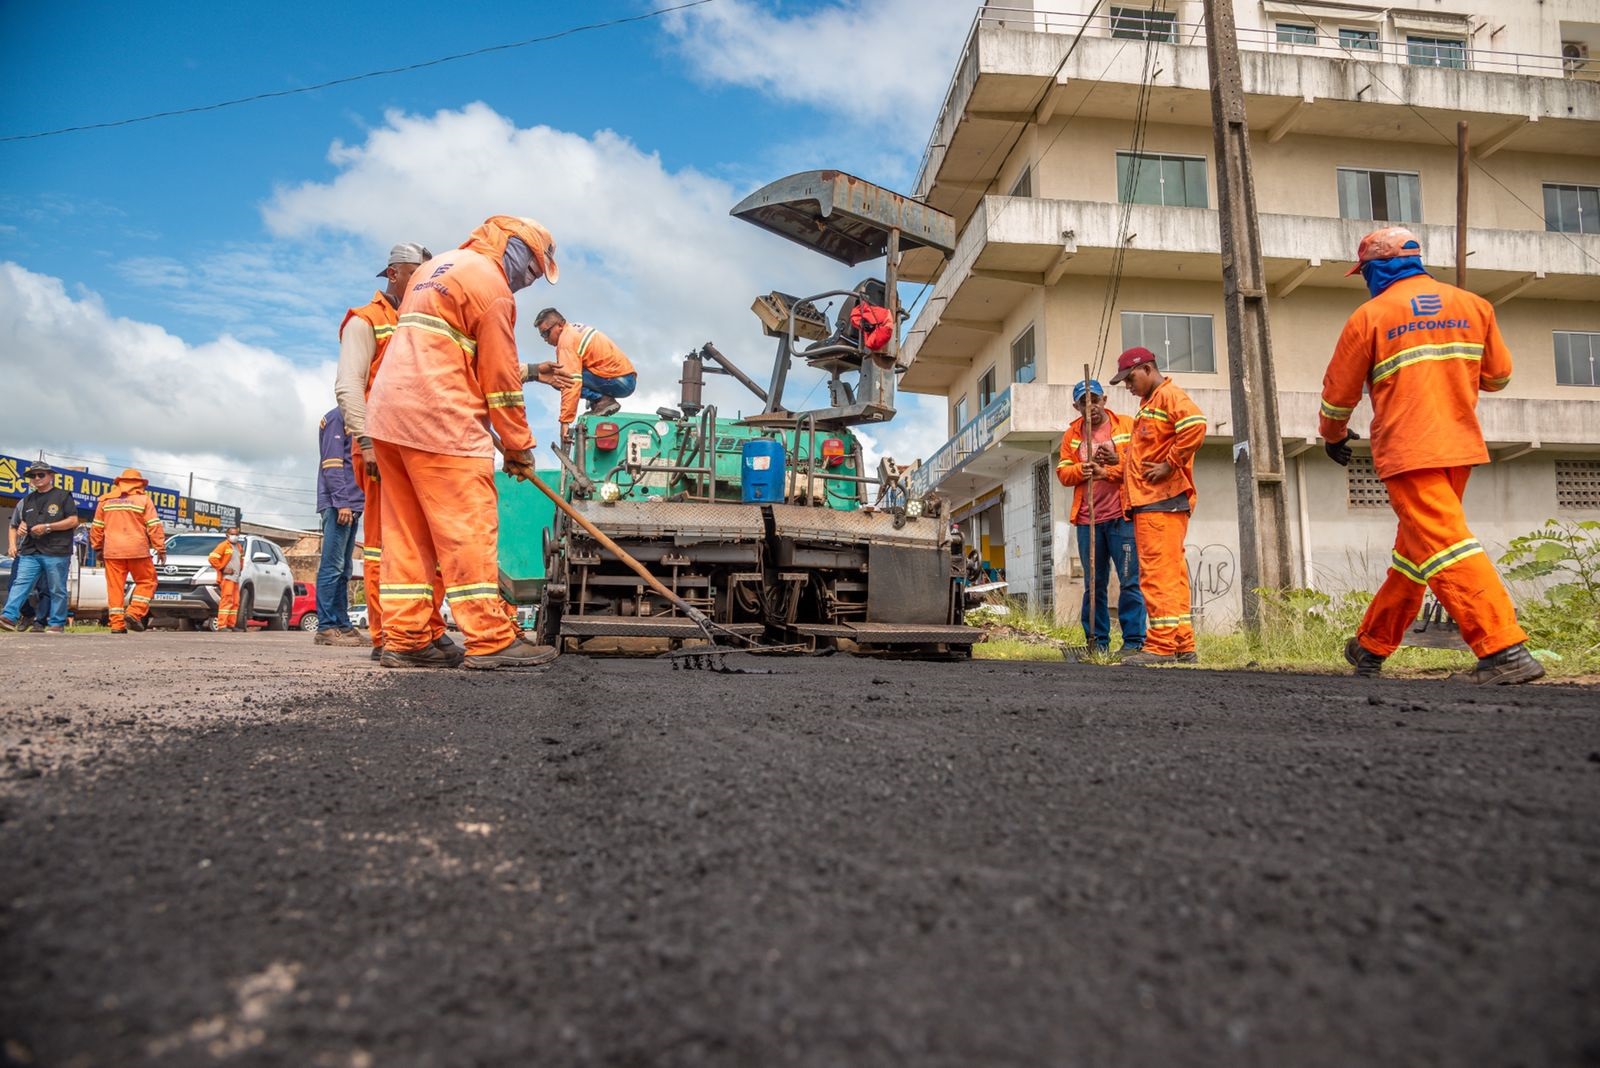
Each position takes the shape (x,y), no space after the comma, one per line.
(840,555)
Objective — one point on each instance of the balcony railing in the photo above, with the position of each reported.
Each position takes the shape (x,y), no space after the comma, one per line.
(1124,24)
(970,440)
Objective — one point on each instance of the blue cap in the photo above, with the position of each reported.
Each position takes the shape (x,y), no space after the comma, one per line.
(1091,386)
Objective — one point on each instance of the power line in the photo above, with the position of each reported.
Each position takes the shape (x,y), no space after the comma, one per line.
(348,79)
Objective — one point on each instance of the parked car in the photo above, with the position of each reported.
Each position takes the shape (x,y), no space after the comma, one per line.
(358,615)
(303,613)
(86,589)
(186,586)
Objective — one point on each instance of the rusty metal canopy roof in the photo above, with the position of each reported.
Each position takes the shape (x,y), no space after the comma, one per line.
(844,217)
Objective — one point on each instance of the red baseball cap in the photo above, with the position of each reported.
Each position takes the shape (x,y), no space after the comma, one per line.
(1130,359)
(1385,244)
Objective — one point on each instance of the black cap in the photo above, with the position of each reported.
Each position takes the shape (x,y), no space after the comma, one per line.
(38,466)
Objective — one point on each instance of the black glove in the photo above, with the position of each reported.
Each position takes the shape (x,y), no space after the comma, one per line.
(1339,451)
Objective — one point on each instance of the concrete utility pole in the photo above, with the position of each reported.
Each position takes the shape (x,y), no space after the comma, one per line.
(1258,467)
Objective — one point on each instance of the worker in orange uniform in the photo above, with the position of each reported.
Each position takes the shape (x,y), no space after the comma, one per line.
(450,374)
(1158,492)
(227,559)
(364,335)
(1112,544)
(588,364)
(1424,350)
(125,531)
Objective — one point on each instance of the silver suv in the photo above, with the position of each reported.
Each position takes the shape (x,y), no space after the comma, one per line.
(186,585)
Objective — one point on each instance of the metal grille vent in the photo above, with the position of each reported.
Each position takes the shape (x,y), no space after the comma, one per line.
(1366,488)
(1578,485)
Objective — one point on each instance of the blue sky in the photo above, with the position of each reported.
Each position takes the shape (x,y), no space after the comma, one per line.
(173,287)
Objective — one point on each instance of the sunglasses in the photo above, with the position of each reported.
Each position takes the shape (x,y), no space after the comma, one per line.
(544,331)
(40,474)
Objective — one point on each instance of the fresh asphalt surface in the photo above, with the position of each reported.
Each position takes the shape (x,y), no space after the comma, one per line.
(246,850)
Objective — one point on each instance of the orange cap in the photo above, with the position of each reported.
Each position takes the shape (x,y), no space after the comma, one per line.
(1385,244)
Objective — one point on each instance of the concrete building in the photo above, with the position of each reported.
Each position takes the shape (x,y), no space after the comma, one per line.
(1076,155)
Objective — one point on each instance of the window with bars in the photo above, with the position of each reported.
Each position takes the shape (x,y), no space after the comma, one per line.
(1294,33)
(1024,368)
(1365,488)
(1577,358)
(1143,24)
(1383,196)
(1149,178)
(1578,485)
(1572,209)
(1436,52)
(1182,343)
(1359,40)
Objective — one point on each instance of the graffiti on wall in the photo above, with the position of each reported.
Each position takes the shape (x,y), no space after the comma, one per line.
(1213,569)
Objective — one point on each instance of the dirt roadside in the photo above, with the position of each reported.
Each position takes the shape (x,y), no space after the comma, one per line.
(226,849)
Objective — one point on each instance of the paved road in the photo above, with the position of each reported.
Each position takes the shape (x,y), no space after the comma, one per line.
(239,850)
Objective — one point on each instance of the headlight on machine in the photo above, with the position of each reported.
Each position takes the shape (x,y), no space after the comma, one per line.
(610,491)
(914,508)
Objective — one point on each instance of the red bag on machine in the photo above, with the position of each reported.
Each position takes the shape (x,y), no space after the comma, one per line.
(873,322)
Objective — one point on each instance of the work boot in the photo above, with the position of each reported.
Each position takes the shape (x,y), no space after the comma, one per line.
(521,653)
(1191,657)
(335,636)
(118,630)
(38,626)
(377,652)
(449,649)
(606,406)
(138,623)
(428,656)
(63,630)
(1507,667)
(1144,659)
(1366,662)
(8,624)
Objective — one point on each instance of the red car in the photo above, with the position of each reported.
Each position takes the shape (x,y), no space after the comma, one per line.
(303,612)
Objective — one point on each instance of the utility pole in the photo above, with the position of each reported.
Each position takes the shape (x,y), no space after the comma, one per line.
(1258,467)
(1461,205)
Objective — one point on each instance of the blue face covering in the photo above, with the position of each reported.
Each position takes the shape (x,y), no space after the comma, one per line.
(518,256)
(1381,274)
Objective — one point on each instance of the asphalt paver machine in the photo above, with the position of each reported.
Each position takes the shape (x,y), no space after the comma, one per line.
(770,525)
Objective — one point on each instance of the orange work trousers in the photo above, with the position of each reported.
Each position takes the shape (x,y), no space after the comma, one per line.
(441,516)
(1164,578)
(1433,549)
(372,554)
(143,570)
(228,605)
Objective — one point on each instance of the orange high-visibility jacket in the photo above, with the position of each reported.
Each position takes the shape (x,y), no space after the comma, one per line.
(379,314)
(225,559)
(1167,428)
(451,368)
(125,525)
(580,348)
(1424,349)
(1070,470)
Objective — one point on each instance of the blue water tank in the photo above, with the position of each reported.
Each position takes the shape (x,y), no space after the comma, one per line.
(761,468)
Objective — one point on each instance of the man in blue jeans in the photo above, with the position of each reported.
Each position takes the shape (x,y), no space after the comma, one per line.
(40,544)
(339,502)
(1112,532)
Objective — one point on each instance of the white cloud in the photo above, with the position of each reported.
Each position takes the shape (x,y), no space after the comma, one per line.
(82,382)
(884,63)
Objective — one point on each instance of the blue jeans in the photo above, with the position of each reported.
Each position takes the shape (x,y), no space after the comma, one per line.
(333,573)
(1114,544)
(27,570)
(595,387)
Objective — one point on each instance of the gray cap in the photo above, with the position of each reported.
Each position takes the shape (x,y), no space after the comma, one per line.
(406,252)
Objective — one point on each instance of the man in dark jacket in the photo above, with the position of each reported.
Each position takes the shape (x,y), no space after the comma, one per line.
(339,502)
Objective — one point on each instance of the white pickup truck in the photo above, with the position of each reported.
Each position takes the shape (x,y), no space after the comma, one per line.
(86,589)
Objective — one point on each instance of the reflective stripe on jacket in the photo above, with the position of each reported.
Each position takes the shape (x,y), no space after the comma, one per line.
(451,369)
(1069,471)
(583,348)
(1423,349)
(1168,428)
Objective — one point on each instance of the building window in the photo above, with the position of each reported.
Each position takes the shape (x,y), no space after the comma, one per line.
(1022,363)
(958,415)
(985,388)
(1359,40)
(1023,186)
(1365,488)
(1143,24)
(1292,34)
(1578,485)
(1572,209)
(1146,178)
(1577,357)
(1436,52)
(1384,196)
(1180,342)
